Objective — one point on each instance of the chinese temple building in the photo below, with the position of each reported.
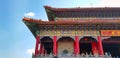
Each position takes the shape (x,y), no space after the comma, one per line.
(77,31)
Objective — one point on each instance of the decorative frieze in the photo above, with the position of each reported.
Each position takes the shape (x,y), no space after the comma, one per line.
(69,30)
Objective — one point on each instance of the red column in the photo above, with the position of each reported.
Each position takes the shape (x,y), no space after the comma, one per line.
(100,46)
(44,52)
(77,44)
(57,48)
(37,45)
(40,48)
(55,45)
(94,48)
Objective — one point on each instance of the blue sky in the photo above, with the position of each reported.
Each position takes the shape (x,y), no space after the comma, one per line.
(15,37)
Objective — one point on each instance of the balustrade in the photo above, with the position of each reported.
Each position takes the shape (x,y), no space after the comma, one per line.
(77,56)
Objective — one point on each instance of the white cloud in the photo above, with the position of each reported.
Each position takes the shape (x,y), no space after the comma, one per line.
(109,3)
(30,14)
(30,51)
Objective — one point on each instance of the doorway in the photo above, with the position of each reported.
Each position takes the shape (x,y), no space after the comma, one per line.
(47,43)
(85,44)
(85,48)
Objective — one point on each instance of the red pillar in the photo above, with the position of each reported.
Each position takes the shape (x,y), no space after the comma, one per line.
(100,46)
(37,45)
(57,48)
(44,52)
(94,48)
(55,45)
(77,44)
(40,51)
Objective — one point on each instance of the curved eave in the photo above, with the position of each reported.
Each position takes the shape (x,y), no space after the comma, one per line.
(73,22)
(82,9)
(30,24)
(48,12)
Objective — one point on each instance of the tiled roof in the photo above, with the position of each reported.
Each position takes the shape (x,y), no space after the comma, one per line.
(72,22)
(82,9)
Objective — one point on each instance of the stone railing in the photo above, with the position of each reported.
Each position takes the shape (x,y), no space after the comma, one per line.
(77,56)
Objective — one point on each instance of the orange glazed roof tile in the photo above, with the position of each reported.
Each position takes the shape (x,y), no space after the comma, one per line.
(72,22)
(51,10)
(82,9)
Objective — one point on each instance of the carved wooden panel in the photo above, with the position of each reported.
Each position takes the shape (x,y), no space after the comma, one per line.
(47,33)
(69,30)
(65,32)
